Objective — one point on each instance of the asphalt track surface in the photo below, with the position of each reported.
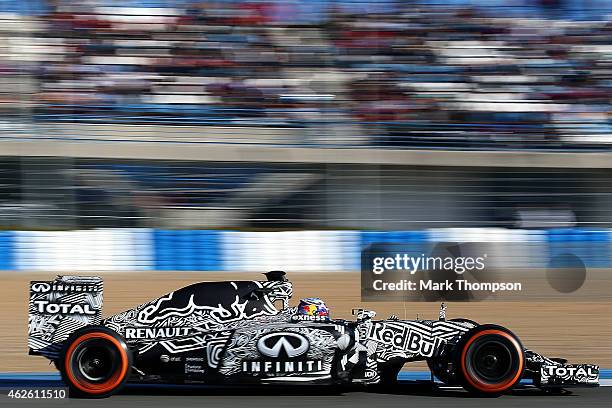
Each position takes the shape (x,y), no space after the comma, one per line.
(408,393)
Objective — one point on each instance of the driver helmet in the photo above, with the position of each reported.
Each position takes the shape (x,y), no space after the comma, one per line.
(314,307)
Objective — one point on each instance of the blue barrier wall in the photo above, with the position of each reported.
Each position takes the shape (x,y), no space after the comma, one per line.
(591,246)
(185,250)
(7,251)
(325,251)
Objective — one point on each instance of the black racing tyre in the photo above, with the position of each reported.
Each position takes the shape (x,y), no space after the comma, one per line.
(95,362)
(489,360)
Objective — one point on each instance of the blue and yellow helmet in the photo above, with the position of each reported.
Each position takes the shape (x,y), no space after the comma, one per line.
(313,307)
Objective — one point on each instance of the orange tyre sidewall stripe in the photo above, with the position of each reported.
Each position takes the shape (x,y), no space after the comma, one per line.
(498,387)
(92,388)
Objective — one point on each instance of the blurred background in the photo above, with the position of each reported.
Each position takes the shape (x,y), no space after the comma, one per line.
(242,136)
(194,124)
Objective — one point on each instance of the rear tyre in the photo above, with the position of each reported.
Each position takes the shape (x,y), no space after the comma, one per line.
(489,360)
(95,362)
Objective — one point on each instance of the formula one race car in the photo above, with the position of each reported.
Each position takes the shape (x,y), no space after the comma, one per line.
(244,332)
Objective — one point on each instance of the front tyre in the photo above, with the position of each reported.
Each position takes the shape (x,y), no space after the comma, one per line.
(95,362)
(489,360)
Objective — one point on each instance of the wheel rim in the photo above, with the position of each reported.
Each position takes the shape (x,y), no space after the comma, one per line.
(492,361)
(96,361)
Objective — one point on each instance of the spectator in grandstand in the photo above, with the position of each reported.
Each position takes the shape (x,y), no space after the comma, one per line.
(415,74)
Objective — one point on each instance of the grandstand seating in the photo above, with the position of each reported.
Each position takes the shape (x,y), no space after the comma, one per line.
(433,77)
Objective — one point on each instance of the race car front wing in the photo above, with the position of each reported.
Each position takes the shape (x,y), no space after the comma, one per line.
(555,372)
(567,375)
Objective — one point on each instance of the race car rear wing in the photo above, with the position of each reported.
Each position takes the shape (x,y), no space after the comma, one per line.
(59,307)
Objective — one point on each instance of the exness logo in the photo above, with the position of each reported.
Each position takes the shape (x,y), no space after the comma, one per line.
(283,345)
